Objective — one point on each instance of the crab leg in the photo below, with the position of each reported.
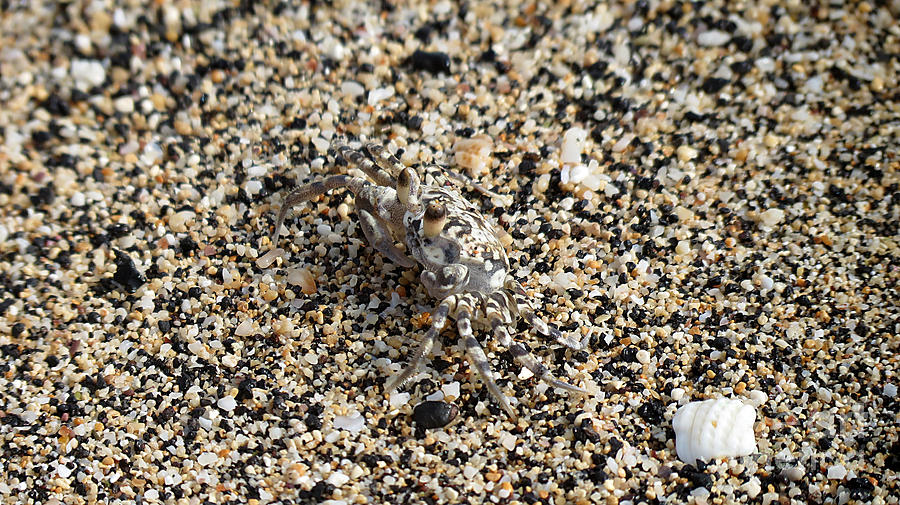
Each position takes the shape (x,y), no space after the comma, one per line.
(384,159)
(476,355)
(312,190)
(380,238)
(523,307)
(494,310)
(376,173)
(438,320)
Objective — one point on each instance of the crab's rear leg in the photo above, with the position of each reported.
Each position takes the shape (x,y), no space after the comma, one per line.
(497,312)
(312,190)
(476,355)
(524,307)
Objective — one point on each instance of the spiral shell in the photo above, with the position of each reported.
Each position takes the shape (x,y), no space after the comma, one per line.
(714,429)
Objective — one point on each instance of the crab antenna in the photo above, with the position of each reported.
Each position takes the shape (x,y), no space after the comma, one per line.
(435,217)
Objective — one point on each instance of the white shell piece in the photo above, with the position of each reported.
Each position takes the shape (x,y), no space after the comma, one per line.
(713,429)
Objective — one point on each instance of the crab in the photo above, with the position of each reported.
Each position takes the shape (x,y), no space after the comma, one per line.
(464,265)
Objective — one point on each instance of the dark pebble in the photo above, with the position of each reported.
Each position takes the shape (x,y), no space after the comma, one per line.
(742,67)
(126,273)
(714,84)
(860,488)
(698,478)
(433,414)
(434,63)
(652,411)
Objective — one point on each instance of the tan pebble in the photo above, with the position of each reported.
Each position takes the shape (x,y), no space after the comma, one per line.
(182,127)
(100,21)
(217,76)
(159,101)
(474,154)
(877,85)
(304,278)
(493,476)
(686,153)
(771,140)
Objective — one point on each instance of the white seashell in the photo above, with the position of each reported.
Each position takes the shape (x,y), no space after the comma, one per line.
(714,429)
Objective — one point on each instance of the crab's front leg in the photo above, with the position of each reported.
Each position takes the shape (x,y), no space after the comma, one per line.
(438,321)
(477,358)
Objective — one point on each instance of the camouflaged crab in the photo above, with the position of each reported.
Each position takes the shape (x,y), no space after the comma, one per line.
(463,263)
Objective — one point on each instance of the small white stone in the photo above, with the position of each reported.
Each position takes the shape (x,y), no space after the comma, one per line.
(451,391)
(837,472)
(397,400)
(573,145)
(63,471)
(124,104)
(765,64)
(151,154)
(890,390)
(244,329)
(683,247)
(88,73)
(814,84)
(714,429)
(196,348)
(77,199)
(352,89)
(230,360)
(338,479)
(227,403)
(179,221)
(253,187)
(622,143)
(352,423)
(713,38)
(507,440)
(474,154)
(771,217)
(257,171)
(578,173)
(321,144)
(752,487)
(643,356)
(207,458)
(677,394)
(379,94)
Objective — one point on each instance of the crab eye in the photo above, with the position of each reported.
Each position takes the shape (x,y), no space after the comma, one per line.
(435,217)
(408,187)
